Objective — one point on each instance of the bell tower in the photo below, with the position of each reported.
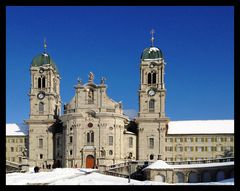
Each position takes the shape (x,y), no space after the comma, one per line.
(152,120)
(45,107)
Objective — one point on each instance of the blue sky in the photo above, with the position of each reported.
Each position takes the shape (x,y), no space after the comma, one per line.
(197,44)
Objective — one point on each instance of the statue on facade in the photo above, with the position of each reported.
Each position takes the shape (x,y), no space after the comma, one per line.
(90,77)
(24,152)
(103,80)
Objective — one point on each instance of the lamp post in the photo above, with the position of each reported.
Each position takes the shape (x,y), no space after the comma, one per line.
(129,171)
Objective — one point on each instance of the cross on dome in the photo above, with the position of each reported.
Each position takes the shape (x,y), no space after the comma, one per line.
(152,32)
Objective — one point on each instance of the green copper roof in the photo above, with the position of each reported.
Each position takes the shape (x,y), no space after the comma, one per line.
(43,59)
(151,53)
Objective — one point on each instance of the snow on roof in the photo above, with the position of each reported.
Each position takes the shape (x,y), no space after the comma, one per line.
(13,129)
(159,164)
(129,132)
(153,49)
(201,127)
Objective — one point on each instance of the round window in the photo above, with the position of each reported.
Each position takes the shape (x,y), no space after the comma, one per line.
(90,125)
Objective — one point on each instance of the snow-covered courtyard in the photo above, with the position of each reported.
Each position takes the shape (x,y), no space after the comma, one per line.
(81,176)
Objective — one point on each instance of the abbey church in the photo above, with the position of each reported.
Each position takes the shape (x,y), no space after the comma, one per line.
(91,130)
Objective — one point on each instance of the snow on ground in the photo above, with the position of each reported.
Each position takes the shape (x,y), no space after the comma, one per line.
(83,176)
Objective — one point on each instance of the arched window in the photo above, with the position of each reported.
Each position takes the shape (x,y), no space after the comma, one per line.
(149,78)
(130,142)
(41,107)
(39,82)
(151,105)
(154,78)
(43,82)
(90,138)
(151,143)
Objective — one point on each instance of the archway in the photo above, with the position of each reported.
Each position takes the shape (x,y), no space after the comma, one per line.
(220,175)
(90,161)
(206,177)
(193,178)
(179,177)
(159,178)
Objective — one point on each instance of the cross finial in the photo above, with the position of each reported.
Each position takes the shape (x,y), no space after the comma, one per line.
(152,32)
(45,45)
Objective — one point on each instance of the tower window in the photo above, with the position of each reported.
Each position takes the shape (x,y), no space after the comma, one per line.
(130,142)
(70,139)
(40,143)
(41,107)
(151,143)
(152,77)
(110,140)
(41,156)
(39,82)
(149,78)
(151,105)
(43,82)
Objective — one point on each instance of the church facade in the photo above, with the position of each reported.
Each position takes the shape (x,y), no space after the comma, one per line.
(92,130)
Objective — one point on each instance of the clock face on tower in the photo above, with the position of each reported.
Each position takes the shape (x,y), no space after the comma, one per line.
(151,92)
(41,95)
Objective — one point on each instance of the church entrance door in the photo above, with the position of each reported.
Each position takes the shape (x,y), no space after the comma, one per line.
(90,161)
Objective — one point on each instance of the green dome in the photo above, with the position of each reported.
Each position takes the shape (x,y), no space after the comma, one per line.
(151,53)
(43,59)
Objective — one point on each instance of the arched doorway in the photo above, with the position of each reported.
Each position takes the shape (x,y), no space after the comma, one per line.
(159,178)
(179,177)
(206,177)
(220,175)
(90,161)
(193,178)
